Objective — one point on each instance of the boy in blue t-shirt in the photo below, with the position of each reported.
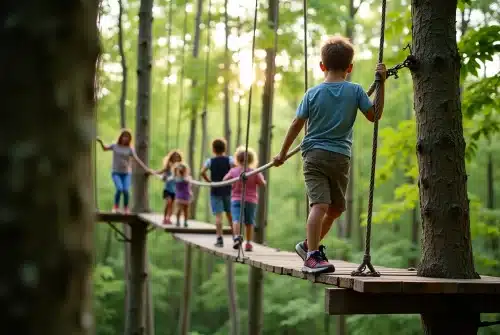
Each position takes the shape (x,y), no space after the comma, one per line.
(220,197)
(330,110)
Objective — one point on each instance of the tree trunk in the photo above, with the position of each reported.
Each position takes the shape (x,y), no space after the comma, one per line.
(231,285)
(194,108)
(490,200)
(123,60)
(238,120)
(361,230)
(227,98)
(233,299)
(349,213)
(123,124)
(139,276)
(255,291)
(446,244)
(185,314)
(169,72)
(412,262)
(47,221)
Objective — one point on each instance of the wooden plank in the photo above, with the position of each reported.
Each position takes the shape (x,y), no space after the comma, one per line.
(392,280)
(344,302)
(194,227)
(115,217)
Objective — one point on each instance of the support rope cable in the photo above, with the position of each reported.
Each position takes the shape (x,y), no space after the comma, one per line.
(306,79)
(181,89)
(207,72)
(378,82)
(247,140)
(169,70)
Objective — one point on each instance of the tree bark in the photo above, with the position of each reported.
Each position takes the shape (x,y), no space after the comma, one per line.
(123,124)
(412,262)
(446,245)
(231,285)
(138,302)
(194,108)
(48,68)
(490,199)
(185,314)
(123,61)
(255,291)
(227,98)
(233,299)
(238,120)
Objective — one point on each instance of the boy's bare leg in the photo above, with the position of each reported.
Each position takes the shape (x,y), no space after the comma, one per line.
(326,223)
(314,221)
(218,224)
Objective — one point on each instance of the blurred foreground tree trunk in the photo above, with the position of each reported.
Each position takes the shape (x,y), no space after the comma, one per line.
(47,71)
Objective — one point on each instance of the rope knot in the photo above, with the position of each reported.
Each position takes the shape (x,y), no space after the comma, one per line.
(243,176)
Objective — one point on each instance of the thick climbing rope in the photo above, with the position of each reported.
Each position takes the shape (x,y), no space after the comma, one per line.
(169,70)
(361,271)
(181,81)
(247,139)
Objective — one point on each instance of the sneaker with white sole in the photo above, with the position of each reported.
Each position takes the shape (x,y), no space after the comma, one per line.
(301,249)
(316,263)
(237,241)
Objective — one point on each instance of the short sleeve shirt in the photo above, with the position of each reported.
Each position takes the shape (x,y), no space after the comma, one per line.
(330,110)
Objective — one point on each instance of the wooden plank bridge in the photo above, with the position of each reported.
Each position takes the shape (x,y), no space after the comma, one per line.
(396,291)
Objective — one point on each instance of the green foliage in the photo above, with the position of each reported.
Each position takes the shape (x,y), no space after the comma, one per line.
(478,46)
(290,306)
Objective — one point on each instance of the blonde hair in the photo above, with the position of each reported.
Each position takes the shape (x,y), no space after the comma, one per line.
(124,132)
(167,160)
(182,169)
(240,155)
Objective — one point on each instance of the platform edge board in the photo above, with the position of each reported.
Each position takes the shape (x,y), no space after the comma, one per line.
(339,301)
(115,217)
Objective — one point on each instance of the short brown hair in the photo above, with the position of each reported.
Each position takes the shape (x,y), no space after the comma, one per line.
(337,53)
(219,145)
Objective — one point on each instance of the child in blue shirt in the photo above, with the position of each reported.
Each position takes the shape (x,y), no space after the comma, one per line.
(330,110)
(220,197)
(170,160)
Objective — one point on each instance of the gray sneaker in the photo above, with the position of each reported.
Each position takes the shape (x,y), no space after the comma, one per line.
(301,250)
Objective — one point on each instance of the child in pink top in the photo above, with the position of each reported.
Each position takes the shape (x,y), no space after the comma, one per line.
(251,197)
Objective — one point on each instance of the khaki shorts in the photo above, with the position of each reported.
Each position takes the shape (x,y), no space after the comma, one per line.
(326,175)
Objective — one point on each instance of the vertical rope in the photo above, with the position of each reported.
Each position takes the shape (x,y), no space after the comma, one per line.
(306,78)
(169,70)
(207,58)
(367,257)
(247,140)
(96,99)
(181,89)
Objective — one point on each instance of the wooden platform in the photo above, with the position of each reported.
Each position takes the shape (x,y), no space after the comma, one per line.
(194,227)
(397,291)
(156,220)
(393,287)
